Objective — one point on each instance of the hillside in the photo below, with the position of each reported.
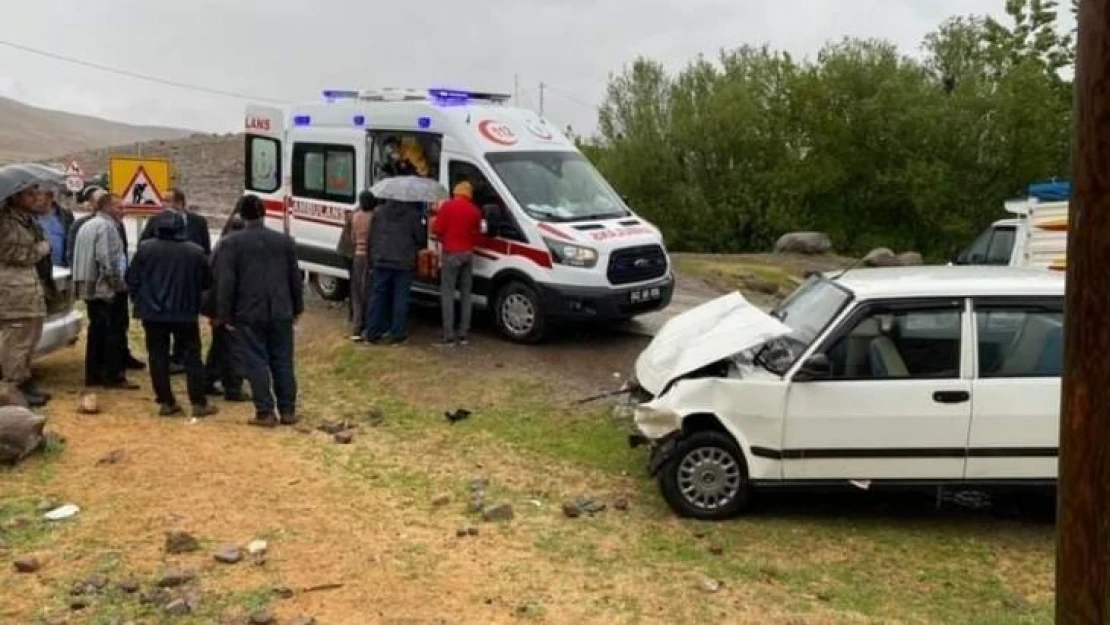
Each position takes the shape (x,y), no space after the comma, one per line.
(27,132)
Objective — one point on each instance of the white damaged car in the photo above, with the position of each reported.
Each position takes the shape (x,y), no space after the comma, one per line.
(899,377)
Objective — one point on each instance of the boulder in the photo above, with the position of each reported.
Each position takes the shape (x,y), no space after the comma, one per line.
(810,243)
(910,259)
(20,433)
(880,257)
(10,396)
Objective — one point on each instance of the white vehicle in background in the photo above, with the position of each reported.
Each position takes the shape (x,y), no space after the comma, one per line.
(62,328)
(899,377)
(562,245)
(1037,237)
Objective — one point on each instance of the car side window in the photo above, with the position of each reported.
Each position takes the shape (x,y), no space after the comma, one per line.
(1001,246)
(1020,342)
(901,343)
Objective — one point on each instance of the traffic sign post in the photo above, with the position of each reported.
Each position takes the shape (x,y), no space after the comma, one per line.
(141,183)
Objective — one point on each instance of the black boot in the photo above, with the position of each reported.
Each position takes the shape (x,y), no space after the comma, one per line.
(35,398)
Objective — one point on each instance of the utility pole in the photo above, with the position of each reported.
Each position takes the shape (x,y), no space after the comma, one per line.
(516,90)
(1082,529)
(541,99)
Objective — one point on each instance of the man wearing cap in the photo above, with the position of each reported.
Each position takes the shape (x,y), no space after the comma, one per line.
(457,225)
(167,280)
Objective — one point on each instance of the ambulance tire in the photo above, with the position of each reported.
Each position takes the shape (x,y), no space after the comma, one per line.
(329,288)
(518,313)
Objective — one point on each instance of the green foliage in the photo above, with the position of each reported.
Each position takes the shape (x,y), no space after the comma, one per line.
(863,142)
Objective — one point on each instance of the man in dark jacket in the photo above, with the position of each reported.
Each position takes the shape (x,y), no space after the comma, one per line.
(222,366)
(397,232)
(167,279)
(259,298)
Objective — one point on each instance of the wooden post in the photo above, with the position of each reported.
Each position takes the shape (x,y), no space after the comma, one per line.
(1083,519)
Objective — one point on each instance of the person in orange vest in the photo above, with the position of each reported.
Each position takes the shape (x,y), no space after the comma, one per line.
(458,226)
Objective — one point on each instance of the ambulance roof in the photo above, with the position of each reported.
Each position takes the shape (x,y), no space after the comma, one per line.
(481,124)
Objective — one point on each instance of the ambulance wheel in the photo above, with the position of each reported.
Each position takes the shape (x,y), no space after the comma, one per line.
(330,288)
(519,314)
(706,477)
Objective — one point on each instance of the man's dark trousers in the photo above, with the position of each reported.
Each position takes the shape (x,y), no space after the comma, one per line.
(103,359)
(266,351)
(187,335)
(223,364)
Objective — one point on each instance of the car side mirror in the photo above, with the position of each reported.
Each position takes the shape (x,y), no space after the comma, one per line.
(816,367)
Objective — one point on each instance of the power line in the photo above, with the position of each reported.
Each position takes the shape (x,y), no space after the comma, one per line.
(136,75)
(571,98)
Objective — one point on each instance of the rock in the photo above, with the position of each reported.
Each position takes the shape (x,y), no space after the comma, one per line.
(910,259)
(304,620)
(92,585)
(61,513)
(716,550)
(261,617)
(129,586)
(880,257)
(345,437)
(498,512)
(589,505)
(29,564)
(88,404)
(466,530)
(10,396)
(283,592)
(621,504)
(228,554)
(21,434)
(478,484)
(441,500)
(335,427)
(178,607)
(571,510)
(810,243)
(472,530)
(711,586)
(181,542)
(113,457)
(175,577)
(461,532)
(157,596)
(78,603)
(257,547)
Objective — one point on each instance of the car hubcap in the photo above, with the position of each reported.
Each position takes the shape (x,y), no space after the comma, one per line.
(327,284)
(518,314)
(709,478)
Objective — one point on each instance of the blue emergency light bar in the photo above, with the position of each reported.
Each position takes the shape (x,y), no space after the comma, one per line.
(448,97)
(301,120)
(332,95)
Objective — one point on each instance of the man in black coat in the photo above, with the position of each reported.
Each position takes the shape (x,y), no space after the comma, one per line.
(223,367)
(259,298)
(166,280)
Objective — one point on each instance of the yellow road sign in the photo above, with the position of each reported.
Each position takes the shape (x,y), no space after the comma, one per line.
(140,182)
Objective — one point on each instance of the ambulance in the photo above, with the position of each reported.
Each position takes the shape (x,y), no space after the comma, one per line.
(561,246)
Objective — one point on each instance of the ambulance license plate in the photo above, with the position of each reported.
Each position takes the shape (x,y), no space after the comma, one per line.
(645,295)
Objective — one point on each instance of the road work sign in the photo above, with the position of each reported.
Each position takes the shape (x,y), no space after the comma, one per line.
(141,183)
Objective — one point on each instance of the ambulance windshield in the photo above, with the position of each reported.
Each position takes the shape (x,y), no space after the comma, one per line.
(557,186)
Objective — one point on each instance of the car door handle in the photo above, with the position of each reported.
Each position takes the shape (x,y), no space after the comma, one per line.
(951,397)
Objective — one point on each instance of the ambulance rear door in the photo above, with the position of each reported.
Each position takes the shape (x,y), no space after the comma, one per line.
(265,174)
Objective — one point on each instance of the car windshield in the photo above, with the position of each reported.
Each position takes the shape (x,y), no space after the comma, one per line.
(557,186)
(807,312)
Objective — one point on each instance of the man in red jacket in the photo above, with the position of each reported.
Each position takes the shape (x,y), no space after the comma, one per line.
(457,225)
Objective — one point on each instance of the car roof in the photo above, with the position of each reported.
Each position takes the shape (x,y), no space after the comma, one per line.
(952,281)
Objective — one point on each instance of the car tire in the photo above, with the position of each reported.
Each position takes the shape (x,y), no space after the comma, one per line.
(518,313)
(706,478)
(330,288)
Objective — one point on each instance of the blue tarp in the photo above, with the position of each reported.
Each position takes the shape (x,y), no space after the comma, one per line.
(1054,191)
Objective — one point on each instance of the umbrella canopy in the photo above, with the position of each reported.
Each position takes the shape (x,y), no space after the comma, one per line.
(16,178)
(409,189)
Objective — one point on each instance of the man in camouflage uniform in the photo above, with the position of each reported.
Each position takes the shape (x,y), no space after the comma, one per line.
(22,246)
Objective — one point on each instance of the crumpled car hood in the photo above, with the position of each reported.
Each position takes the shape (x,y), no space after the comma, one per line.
(701,336)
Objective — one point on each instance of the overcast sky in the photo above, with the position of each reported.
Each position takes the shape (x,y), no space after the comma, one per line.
(290,49)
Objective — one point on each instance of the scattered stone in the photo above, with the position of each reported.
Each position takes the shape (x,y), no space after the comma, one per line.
(478,502)
(622,504)
(10,396)
(92,585)
(88,404)
(228,554)
(304,620)
(157,596)
(345,437)
(301,428)
(461,532)
(824,596)
(498,512)
(571,510)
(711,586)
(441,500)
(335,427)
(113,457)
(175,577)
(21,434)
(466,530)
(29,564)
(129,586)
(478,484)
(283,592)
(181,542)
(62,513)
(716,550)
(261,617)
(589,505)
(257,547)
(910,259)
(472,530)
(880,257)
(810,243)
(178,607)
(78,603)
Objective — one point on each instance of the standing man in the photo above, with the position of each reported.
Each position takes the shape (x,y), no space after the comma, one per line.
(55,224)
(259,299)
(167,279)
(457,225)
(354,245)
(23,310)
(99,264)
(396,234)
(223,366)
(195,230)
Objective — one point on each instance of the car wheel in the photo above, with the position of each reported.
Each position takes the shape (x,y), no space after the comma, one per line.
(706,478)
(518,313)
(329,287)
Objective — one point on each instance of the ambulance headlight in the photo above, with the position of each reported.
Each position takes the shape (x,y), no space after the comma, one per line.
(570,254)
